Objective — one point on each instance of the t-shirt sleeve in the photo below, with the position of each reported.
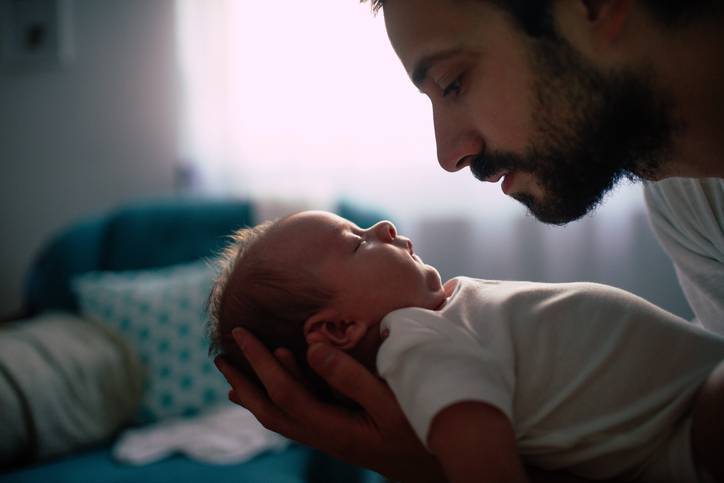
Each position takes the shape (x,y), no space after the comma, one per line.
(431,363)
(687,216)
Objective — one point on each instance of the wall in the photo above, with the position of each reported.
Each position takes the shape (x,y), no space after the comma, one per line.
(89,135)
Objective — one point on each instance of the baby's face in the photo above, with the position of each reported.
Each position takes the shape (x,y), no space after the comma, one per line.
(374,271)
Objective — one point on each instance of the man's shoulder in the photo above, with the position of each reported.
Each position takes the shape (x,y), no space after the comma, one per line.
(685,201)
(684,190)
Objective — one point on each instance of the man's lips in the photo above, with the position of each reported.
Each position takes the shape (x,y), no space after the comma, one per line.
(495,177)
(500,174)
(507,182)
(493,170)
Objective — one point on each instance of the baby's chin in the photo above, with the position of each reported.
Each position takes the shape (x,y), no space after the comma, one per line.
(433,276)
(435,285)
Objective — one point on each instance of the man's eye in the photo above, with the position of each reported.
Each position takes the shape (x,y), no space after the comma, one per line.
(453,87)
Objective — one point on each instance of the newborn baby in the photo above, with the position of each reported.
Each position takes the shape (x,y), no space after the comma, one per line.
(558,376)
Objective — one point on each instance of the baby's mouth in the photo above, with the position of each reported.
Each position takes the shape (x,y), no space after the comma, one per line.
(412,253)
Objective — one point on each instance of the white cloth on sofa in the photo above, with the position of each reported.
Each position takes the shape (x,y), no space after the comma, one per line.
(225,434)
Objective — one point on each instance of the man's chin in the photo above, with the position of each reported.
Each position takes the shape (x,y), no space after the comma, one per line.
(552,213)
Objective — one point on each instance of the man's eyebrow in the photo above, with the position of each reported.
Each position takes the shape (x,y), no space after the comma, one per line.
(419,72)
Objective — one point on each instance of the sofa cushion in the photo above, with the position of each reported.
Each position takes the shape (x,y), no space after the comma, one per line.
(161,313)
(296,464)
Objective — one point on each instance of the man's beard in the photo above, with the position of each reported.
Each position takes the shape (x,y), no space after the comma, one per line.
(592,130)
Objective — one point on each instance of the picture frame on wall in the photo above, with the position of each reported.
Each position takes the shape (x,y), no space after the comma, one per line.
(35,35)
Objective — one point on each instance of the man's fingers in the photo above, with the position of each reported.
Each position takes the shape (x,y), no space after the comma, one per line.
(283,390)
(314,422)
(234,399)
(287,359)
(311,423)
(246,394)
(244,390)
(352,379)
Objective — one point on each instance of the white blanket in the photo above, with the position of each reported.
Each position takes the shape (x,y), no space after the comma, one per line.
(225,434)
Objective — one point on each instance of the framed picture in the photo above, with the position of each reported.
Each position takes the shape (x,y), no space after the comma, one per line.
(35,34)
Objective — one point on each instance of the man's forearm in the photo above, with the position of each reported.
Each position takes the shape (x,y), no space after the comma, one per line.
(539,476)
(535,475)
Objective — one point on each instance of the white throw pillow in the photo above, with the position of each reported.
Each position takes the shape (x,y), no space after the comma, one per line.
(66,383)
(162,315)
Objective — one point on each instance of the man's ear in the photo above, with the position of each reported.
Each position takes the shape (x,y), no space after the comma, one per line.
(594,27)
(607,17)
(328,326)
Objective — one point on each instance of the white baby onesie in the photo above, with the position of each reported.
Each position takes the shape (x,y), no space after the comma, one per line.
(594,379)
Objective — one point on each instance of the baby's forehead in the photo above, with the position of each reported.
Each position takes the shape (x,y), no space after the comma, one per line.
(312,224)
(310,232)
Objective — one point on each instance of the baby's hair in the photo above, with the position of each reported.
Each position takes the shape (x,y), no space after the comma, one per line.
(240,242)
(267,294)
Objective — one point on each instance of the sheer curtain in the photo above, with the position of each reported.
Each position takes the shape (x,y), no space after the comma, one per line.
(293,100)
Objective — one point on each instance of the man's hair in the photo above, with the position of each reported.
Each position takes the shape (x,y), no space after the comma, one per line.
(536,19)
(267,295)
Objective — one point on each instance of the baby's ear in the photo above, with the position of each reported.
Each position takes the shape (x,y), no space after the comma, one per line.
(329,327)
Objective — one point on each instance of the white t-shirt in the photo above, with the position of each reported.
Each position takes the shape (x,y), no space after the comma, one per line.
(688,217)
(594,379)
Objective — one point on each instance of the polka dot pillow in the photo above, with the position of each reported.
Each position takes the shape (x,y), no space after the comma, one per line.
(162,314)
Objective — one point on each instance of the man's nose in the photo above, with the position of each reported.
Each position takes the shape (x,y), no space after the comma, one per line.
(457,141)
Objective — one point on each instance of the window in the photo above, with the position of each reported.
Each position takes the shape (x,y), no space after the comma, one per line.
(293,100)
(308,99)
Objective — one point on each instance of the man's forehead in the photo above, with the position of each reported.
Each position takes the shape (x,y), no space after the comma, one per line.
(423,31)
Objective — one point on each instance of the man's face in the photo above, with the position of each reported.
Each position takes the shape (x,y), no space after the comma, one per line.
(558,130)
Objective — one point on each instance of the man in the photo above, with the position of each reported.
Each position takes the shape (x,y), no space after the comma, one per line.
(560,99)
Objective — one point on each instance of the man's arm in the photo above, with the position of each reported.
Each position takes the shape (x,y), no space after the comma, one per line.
(707,431)
(475,442)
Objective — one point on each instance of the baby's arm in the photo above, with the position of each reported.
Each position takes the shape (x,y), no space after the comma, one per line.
(474,442)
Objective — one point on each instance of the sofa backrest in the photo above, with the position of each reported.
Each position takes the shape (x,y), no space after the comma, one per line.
(134,237)
(144,235)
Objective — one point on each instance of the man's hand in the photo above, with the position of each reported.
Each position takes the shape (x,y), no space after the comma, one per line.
(379,437)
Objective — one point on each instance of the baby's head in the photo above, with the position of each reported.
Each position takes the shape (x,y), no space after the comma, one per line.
(316,277)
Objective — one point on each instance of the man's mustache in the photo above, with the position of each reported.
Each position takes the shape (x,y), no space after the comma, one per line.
(487,164)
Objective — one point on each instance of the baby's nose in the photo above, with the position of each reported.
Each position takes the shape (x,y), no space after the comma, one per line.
(385,231)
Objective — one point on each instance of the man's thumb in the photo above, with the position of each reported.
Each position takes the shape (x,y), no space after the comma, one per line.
(320,357)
